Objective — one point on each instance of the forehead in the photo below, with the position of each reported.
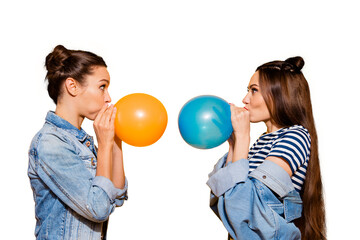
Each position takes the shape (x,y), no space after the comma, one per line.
(101,71)
(99,74)
(254,79)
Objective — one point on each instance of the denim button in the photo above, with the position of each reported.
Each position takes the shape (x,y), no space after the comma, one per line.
(92,162)
(264,176)
(87,143)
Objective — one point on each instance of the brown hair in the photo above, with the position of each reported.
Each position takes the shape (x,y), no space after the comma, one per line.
(62,63)
(287,96)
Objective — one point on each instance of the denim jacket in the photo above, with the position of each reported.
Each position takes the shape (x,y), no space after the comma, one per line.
(70,201)
(259,205)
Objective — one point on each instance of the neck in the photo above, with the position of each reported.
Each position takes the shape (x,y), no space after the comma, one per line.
(69,113)
(271,127)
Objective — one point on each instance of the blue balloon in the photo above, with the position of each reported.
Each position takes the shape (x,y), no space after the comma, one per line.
(205,121)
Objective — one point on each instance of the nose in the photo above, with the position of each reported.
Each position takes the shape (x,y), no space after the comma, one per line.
(107,97)
(246,99)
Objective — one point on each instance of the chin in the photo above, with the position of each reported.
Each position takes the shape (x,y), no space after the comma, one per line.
(254,120)
(92,116)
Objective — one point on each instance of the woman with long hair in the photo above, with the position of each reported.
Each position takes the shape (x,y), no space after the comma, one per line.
(273,191)
(76,185)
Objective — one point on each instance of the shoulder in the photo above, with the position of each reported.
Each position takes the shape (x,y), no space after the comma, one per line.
(293,145)
(295,134)
(50,139)
(293,142)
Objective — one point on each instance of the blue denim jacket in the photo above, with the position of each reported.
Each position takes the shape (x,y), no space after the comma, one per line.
(260,205)
(70,201)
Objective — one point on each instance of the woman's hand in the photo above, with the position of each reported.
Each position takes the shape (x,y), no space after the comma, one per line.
(240,120)
(105,131)
(104,125)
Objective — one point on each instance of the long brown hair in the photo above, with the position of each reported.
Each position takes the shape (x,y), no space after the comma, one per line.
(287,96)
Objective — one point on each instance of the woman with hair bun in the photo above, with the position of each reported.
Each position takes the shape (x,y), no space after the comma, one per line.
(273,191)
(76,185)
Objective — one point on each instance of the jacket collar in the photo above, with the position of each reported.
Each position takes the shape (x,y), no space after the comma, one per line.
(54,119)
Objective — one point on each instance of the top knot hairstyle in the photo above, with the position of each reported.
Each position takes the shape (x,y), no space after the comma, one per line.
(63,63)
(287,96)
(294,64)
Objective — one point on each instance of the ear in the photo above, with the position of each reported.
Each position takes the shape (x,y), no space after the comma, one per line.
(72,86)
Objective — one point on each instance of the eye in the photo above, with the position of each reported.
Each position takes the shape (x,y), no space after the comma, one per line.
(254,90)
(102,87)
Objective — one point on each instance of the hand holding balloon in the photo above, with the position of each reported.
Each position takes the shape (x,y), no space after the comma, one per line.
(240,120)
(104,125)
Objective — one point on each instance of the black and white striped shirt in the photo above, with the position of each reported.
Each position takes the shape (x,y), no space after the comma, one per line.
(291,144)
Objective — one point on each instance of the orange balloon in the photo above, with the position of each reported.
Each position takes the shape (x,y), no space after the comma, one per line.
(140,119)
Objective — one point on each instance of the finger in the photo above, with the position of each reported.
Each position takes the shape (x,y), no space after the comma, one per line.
(112,120)
(108,114)
(240,110)
(100,113)
(236,110)
(232,108)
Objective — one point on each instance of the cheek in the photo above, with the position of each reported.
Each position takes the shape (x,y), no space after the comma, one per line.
(95,97)
(95,101)
(259,109)
(257,102)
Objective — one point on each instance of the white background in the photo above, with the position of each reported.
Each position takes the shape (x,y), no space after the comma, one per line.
(176,50)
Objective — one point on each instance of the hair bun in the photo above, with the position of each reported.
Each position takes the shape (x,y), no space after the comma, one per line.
(297,62)
(55,60)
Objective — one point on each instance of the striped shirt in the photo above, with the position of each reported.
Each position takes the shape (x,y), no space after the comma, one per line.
(291,144)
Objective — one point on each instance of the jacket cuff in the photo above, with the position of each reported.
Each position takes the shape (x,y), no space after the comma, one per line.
(274,177)
(227,177)
(220,164)
(107,185)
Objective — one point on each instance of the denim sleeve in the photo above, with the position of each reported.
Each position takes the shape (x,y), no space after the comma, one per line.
(119,195)
(240,204)
(213,198)
(61,169)
(223,178)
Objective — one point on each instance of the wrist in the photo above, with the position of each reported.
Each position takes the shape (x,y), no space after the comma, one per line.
(241,139)
(241,136)
(106,145)
(241,150)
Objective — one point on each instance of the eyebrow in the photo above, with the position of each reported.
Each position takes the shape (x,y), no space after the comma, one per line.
(253,85)
(105,80)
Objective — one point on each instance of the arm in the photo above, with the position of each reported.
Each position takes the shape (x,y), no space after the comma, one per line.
(244,203)
(238,203)
(104,129)
(282,163)
(238,148)
(62,170)
(240,198)
(241,124)
(110,157)
(241,138)
(118,174)
(291,150)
